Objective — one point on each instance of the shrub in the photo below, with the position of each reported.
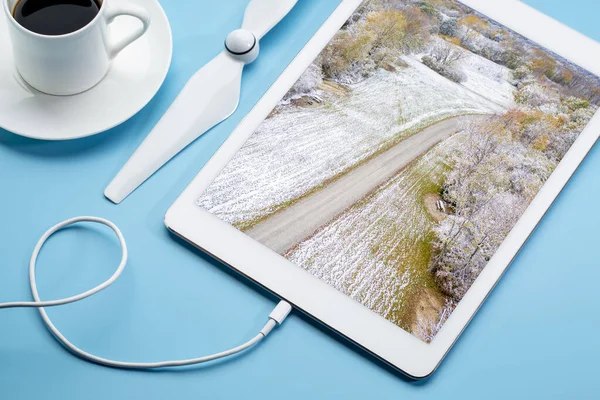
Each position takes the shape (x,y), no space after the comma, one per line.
(498,35)
(485,47)
(431,63)
(454,74)
(371,43)
(595,95)
(563,77)
(475,23)
(418,29)
(514,55)
(385,28)
(543,64)
(574,103)
(310,80)
(447,54)
(443,59)
(344,50)
(540,143)
(522,73)
(494,53)
(535,95)
(449,72)
(449,27)
(579,119)
(428,9)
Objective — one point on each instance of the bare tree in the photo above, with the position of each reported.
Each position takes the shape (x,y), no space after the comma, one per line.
(446,54)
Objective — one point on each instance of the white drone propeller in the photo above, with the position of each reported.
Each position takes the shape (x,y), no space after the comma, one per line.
(208,98)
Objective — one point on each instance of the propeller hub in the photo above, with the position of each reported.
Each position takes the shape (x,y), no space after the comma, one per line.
(242,45)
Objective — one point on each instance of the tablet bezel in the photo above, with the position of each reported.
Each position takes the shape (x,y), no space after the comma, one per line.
(307,293)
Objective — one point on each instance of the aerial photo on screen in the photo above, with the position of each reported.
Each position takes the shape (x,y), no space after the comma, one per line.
(405,154)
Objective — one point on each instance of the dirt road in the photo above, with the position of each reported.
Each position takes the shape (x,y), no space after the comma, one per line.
(290,226)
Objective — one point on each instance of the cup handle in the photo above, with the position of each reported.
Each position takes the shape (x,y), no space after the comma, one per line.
(131,10)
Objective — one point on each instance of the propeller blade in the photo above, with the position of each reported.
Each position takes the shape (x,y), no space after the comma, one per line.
(209,97)
(262,15)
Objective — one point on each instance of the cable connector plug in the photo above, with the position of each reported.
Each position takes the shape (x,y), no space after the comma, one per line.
(280,313)
(277,316)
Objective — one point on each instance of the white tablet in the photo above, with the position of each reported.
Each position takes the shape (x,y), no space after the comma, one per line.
(387,179)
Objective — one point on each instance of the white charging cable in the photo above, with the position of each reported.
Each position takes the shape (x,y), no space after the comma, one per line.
(277,316)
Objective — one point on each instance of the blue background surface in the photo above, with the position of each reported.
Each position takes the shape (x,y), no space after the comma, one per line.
(536,337)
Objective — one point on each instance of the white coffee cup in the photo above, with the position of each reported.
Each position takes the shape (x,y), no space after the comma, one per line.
(74,62)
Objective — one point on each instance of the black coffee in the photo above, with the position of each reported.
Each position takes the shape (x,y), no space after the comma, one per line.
(56,17)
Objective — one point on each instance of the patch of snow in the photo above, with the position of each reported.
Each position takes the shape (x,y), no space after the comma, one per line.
(488,79)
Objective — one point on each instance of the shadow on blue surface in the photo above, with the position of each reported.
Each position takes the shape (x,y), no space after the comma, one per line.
(253,285)
(82,147)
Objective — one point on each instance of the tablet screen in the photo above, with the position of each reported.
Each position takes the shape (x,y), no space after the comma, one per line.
(405,154)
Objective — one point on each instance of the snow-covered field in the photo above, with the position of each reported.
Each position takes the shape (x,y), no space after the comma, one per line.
(375,251)
(488,79)
(298,149)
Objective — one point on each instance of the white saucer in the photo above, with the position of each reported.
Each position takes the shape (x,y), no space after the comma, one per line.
(133,79)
